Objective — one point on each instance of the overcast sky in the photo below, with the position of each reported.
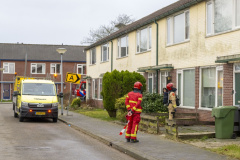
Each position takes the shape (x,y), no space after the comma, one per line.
(65,21)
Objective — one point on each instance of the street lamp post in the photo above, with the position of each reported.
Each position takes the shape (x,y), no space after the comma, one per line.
(2,69)
(61,51)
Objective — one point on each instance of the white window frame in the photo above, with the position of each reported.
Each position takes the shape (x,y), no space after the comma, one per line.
(92,57)
(99,91)
(150,75)
(35,65)
(218,68)
(81,66)
(7,64)
(234,25)
(181,100)
(234,83)
(119,46)
(138,39)
(107,52)
(172,28)
(93,89)
(55,65)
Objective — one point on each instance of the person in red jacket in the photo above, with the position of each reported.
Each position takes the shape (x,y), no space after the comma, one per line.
(133,104)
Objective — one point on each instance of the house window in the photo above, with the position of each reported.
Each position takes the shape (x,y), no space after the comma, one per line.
(105,53)
(93,56)
(208,87)
(178,28)
(55,68)
(89,90)
(93,89)
(219,87)
(163,80)
(144,39)
(9,68)
(96,89)
(222,15)
(237,12)
(151,85)
(123,47)
(100,88)
(186,87)
(81,69)
(38,68)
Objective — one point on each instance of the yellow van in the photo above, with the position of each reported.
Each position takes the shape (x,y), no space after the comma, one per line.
(35,98)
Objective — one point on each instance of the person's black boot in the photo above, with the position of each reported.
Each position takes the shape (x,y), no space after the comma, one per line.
(134,140)
(128,139)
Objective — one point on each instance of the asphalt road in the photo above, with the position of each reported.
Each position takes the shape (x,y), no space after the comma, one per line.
(42,139)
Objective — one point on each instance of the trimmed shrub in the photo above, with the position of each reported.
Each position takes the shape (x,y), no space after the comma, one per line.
(76,103)
(115,85)
(121,108)
(152,103)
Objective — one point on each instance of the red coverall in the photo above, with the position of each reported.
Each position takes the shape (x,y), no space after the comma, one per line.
(133,102)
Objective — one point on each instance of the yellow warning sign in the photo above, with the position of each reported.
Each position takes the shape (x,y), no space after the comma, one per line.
(73,78)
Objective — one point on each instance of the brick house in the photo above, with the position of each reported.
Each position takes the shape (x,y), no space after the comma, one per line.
(38,60)
(194,44)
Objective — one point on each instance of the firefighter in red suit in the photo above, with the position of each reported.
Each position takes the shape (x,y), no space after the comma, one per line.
(133,104)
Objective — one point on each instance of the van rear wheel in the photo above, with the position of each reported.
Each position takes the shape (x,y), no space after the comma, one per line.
(14,113)
(55,120)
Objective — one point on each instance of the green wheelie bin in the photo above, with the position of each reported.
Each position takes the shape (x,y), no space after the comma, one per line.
(224,121)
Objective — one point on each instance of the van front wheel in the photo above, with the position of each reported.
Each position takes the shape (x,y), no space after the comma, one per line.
(20,118)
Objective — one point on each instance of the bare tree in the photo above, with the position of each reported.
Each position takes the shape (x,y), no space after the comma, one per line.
(105,30)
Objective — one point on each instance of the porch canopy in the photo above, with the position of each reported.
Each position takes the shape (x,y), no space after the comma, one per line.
(227,59)
(154,68)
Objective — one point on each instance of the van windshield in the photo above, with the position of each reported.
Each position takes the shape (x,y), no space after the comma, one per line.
(41,89)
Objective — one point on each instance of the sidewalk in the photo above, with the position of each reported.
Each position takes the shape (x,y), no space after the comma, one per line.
(150,147)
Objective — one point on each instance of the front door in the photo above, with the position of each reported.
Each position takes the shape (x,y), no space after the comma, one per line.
(237,89)
(6,91)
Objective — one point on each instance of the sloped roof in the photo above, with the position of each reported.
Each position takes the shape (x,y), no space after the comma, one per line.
(161,13)
(41,52)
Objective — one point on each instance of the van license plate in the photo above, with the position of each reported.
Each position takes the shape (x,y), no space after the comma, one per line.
(40,105)
(40,113)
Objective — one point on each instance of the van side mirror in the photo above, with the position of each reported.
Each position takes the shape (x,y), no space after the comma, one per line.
(16,93)
(60,95)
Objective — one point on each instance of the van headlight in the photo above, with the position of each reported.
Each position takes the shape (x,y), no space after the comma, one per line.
(24,104)
(55,104)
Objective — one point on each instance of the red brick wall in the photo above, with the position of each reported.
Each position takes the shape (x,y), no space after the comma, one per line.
(20,65)
(227,84)
(197,87)
(174,77)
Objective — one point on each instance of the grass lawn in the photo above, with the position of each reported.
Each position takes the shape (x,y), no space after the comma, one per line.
(6,101)
(230,150)
(96,113)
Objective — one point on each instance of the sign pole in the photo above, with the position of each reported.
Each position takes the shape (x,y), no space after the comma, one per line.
(69,97)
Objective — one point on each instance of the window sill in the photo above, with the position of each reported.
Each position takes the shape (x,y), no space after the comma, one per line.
(143,52)
(56,73)
(122,57)
(170,45)
(217,34)
(205,109)
(38,73)
(186,107)
(104,62)
(92,64)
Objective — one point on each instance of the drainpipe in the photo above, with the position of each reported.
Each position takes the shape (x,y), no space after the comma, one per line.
(111,56)
(156,55)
